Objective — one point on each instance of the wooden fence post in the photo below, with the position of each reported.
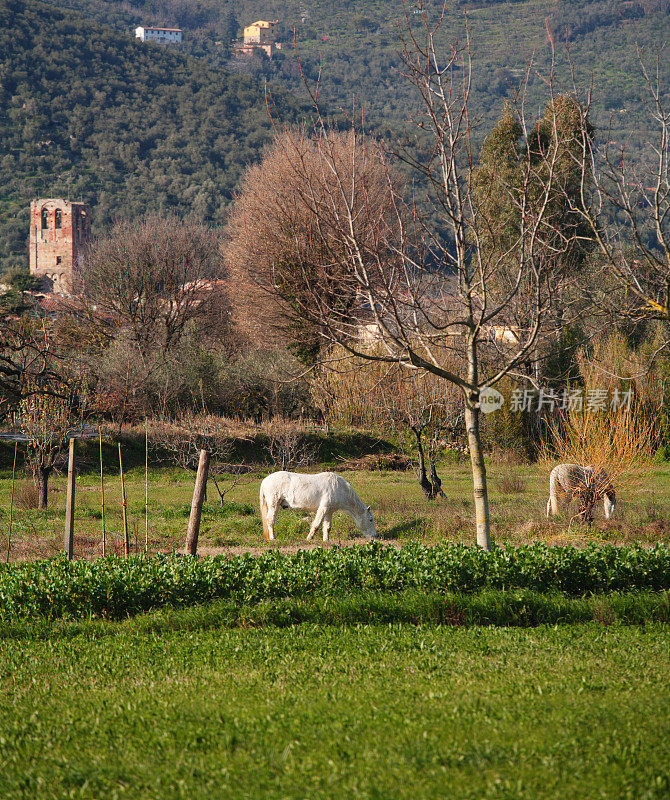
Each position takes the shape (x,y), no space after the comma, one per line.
(68,543)
(102,494)
(11,505)
(146,486)
(191,546)
(126,538)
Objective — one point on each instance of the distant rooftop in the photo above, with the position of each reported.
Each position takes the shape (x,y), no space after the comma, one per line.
(153,28)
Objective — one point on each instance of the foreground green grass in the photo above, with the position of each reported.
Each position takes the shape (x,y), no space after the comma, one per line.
(142,709)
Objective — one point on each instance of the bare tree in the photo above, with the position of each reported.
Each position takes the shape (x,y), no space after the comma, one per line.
(430,291)
(422,405)
(275,248)
(52,380)
(45,419)
(154,276)
(29,360)
(626,204)
(407,410)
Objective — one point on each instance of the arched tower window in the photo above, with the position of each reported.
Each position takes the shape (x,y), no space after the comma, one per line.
(45,219)
(57,219)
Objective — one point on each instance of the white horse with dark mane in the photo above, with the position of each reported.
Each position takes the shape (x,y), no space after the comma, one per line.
(587,484)
(325,493)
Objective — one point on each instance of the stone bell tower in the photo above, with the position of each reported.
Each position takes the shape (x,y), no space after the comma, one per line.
(60,235)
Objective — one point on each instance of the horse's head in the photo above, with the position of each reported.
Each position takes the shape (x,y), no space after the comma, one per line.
(609,502)
(367,524)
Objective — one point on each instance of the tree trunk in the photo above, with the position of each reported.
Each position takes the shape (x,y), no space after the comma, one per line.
(42,480)
(191,546)
(434,477)
(219,492)
(425,484)
(478,474)
(68,541)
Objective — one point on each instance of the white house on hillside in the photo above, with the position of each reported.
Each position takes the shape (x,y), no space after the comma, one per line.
(159,35)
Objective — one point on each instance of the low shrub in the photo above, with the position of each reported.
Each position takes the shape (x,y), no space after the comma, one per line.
(512,484)
(372,462)
(26,495)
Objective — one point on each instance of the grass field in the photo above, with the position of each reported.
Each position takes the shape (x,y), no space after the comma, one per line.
(144,710)
(355,695)
(518,496)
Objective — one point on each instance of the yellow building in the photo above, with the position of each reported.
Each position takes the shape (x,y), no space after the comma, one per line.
(261,33)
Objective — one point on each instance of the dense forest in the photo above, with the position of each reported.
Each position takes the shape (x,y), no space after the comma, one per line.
(88,112)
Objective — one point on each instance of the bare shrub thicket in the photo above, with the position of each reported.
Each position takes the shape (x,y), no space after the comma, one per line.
(27,496)
(248,384)
(179,443)
(619,445)
(512,484)
(263,383)
(287,447)
(621,438)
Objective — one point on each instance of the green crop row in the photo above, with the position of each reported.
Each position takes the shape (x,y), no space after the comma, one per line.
(112,587)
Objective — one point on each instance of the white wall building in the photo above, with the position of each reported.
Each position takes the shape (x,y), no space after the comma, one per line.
(159,35)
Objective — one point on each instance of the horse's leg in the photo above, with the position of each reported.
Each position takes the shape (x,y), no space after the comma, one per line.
(327,519)
(272,515)
(318,519)
(567,499)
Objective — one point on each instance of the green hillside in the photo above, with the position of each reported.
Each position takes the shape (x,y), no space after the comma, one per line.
(88,112)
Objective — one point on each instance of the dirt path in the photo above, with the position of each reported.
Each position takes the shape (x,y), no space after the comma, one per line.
(290,547)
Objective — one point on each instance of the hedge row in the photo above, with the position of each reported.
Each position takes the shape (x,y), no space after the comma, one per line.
(114,588)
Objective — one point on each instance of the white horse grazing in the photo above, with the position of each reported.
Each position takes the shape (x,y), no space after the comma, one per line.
(587,484)
(324,493)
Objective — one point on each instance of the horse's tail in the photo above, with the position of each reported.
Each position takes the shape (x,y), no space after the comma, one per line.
(264,513)
(552,503)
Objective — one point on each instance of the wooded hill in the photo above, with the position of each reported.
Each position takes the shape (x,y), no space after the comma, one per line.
(358,45)
(86,111)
